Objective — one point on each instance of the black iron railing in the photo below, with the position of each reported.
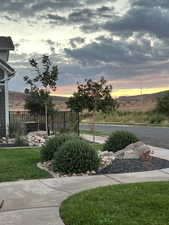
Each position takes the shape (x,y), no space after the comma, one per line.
(62,122)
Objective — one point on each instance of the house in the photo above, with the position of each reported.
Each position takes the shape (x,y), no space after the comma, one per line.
(6,73)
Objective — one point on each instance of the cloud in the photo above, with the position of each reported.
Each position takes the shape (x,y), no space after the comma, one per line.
(50,42)
(74,42)
(9,18)
(149,20)
(125,58)
(26,8)
(111,51)
(56,19)
(81,16)
(150,3)
(32,6)
(144,16)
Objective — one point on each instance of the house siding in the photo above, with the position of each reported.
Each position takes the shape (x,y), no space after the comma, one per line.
(4,55)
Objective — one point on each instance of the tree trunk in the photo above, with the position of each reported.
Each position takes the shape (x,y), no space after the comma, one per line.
(94,125)
(46,117)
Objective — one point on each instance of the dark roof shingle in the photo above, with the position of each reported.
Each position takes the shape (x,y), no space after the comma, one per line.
(6,43)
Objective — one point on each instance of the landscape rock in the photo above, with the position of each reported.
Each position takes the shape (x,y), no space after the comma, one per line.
(106,158)
(36,138)
(47,166)
(133,151)
(5,140)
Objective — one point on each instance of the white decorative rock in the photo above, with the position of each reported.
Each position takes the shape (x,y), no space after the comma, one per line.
(36,138)
(106,158)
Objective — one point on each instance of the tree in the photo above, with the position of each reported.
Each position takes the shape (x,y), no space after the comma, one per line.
(37,98)
(94,96)
(163,104)
(46,77)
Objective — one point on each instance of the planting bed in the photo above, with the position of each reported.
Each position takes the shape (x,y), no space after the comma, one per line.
(134,165)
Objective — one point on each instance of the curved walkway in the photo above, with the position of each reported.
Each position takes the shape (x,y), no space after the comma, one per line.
(36,202)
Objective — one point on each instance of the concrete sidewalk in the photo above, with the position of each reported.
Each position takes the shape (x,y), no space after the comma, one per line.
(98,139)
(36,202)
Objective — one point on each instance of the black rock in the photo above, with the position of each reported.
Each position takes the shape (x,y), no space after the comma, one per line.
(134,165)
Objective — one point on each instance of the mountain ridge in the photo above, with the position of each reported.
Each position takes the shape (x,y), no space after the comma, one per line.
(127,103)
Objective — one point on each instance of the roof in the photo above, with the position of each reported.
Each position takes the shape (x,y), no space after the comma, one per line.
(6,43)
(7,67)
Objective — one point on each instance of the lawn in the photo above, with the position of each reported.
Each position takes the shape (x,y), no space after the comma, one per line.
(20,164)
(126,204)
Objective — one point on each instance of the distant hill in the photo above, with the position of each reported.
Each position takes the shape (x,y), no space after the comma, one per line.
(140,97)
(16,101)
(139,103)
(145,102)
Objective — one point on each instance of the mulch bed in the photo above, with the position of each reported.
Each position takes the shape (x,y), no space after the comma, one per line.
(134,165)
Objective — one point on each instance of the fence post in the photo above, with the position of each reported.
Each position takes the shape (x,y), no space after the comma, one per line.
(64,121)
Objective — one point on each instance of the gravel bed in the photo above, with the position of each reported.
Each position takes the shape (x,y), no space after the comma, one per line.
(7,145)
(134,165)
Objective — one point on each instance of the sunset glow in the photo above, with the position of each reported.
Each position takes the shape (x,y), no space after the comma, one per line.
(133,92)
(121,92)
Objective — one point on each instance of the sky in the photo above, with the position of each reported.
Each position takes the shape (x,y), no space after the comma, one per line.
(126,41)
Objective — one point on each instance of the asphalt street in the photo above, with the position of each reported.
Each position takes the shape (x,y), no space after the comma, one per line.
(155,136)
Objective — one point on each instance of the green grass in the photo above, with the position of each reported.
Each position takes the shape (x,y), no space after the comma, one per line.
(20,164)
(149,118)
(131,204)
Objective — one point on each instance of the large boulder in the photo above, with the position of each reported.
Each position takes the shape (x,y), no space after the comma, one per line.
(133,151)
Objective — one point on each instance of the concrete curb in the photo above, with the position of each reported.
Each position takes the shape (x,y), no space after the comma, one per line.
(39,165)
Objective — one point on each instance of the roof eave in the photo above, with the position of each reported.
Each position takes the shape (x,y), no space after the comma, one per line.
(9,69)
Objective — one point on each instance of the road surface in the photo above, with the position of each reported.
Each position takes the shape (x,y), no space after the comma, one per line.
(155,136)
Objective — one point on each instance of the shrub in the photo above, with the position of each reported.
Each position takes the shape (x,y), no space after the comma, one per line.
(157,118)
(52,145)
(119,140)
(20,141)
(16,128)
(75,156)
(163,103)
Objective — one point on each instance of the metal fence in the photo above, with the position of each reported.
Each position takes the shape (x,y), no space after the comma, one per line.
(58,122)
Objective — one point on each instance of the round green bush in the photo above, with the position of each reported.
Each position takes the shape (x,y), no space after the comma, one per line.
(52,145)
(157,118)
(119,140)
(75,156)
